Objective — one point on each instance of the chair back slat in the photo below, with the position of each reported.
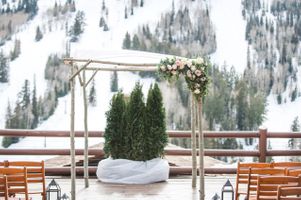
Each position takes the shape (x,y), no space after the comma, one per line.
(3,187)
(289,193)
(286,164)
(294,172)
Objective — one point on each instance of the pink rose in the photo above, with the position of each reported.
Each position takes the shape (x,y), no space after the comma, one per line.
(198,72)
(174,66)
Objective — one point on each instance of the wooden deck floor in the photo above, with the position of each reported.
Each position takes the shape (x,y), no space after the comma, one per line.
(173,189)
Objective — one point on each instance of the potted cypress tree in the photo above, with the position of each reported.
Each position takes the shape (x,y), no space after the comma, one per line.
(135,137)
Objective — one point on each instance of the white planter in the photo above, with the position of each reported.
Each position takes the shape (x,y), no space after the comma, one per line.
(132,172)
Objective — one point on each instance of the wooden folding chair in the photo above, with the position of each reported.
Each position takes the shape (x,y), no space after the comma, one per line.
(254,173)
(242,176)
(35,174)
(16,181)
(3,187)
(289,193)
(267,186)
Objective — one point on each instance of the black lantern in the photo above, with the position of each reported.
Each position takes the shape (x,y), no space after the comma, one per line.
(228,188)
(53,191)
(215,197)
(65,197)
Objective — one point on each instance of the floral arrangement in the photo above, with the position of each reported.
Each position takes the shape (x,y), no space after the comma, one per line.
(194,70)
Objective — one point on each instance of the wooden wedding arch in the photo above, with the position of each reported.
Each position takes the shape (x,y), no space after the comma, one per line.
(78,70)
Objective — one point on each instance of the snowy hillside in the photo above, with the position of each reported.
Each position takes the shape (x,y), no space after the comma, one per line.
(107,45)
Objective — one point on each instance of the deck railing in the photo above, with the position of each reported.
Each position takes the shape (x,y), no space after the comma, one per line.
(262,153)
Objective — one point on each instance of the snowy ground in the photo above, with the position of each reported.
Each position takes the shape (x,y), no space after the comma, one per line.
(94,43)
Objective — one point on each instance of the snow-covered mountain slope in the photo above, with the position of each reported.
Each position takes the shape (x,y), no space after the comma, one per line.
(230,34)
(95,43)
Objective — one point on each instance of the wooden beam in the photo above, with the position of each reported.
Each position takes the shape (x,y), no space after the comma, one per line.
(79,70)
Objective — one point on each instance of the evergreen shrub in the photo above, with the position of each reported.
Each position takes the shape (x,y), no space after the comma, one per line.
(135,130)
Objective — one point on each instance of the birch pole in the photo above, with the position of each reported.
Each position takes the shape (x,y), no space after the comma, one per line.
(201,151)
(72,141)
(193,142)
(86,161)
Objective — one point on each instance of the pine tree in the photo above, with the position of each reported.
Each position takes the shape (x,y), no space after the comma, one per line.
(136,43)
(16,51)
(105,27)
(4,68)
(92,94)
(293,142)
(125,13)
(141,3)
(116,144)
(114,82)
(135,129)
(24,95)
(242,106)
(39,34)
(34,109)
(295,127)
(102,22)
(155,138)
(127,41)
(78,26)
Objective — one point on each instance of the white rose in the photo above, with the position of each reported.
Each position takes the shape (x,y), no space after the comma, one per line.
(189,63)
(197,91)
(188,74)
(174,66)
(163,68)
(174,72)
(193,68)
(169,67)
(199,61)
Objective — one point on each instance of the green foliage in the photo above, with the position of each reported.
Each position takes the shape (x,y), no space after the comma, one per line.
(92,94)
(78,26)
(116,142)
(16,51)
(114,82)
(136,131)
(155,138)
(4,68)
(127,41)
(135,118)
(39,34)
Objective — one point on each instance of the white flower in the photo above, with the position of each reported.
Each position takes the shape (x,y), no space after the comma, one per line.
(174,66)
(189,63)
(199,61)
(193,68)
(169,67)
(163,68)
(197,85)
(197,91)
(182,65)
(198,72)
(188,73)
(174,72)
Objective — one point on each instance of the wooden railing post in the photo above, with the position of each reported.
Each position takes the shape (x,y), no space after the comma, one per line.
(262,146)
